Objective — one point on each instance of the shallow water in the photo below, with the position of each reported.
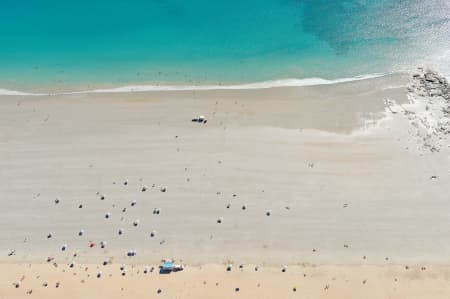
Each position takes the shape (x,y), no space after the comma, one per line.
(199,41)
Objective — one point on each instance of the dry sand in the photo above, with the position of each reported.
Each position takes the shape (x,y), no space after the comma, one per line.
(343,187)
(212,281)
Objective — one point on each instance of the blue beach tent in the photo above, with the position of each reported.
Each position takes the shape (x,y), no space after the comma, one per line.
(167,266)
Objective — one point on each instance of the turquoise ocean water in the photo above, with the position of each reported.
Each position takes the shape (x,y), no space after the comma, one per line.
(203,41)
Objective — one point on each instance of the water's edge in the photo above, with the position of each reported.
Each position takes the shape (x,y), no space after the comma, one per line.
(161,87)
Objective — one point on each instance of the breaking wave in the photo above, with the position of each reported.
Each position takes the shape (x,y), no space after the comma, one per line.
(157,87)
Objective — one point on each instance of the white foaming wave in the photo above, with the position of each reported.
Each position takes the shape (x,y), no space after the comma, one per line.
(256,85)
(7,92)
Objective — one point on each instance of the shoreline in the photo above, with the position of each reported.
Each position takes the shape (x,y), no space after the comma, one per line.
(151,87)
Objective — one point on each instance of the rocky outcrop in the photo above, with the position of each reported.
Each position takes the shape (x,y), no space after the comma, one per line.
(429,112)
(430,84)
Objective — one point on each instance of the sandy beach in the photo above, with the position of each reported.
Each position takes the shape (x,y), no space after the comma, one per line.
(334,181)
(213,281)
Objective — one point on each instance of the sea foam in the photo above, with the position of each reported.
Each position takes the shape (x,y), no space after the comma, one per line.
(7,92)
(245,86)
